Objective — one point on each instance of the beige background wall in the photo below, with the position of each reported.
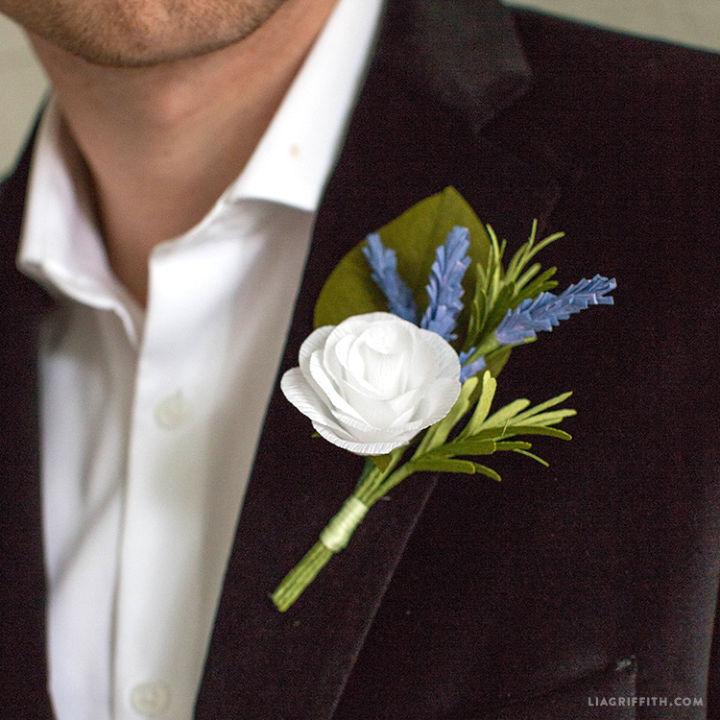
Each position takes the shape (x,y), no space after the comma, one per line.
(21,87)
(690,22)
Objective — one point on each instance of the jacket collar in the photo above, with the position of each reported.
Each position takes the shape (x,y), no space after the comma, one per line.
(442,70)
(462,54)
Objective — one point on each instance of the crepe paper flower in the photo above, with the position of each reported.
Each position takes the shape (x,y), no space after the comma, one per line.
(445,288)
(470,368)
(378,385)
(371,383)
(383,263)
(547,310)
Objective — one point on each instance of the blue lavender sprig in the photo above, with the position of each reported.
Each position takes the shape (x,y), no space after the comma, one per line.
(470,368)
(383,263)
(445,287)
(545,312)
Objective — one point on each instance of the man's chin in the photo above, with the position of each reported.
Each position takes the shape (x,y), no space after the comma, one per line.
(141,33)
(134,56)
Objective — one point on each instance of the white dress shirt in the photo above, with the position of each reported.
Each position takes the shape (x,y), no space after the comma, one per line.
(150,419)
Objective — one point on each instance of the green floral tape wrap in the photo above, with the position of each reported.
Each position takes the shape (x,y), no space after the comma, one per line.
(340,529)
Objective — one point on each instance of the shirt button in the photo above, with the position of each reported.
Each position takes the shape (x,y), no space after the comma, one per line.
(172,412)
(150,699)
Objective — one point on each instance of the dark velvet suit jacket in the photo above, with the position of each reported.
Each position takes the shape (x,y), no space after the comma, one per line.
(460,598)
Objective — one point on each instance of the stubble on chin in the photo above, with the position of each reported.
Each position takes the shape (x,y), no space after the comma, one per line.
(140,33)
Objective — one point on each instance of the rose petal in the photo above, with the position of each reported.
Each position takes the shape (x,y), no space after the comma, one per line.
(439,399)
(316,340)
(360,448)
(318,375)
(299,392)
(448,362)
(424,364)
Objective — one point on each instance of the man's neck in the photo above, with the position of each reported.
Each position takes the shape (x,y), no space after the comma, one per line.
(162,143)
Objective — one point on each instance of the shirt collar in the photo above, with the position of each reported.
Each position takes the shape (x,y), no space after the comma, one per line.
(293,160)
(60,245)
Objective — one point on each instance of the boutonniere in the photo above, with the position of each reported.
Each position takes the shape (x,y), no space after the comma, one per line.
(412,329)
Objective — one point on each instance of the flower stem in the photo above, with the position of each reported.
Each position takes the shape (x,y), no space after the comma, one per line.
(295,582)
(388,484)
(335,536)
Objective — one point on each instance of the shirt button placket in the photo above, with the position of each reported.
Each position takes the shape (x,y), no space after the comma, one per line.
(151,699)
(172,412)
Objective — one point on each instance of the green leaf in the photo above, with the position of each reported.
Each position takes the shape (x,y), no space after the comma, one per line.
(548,418)
(488,472)
(435,464)
(464,447)
(532,456)
(542,283)
(539,430)
(415,236)
(549,240)
(527,276)
(507,431)
(506,413)
(482,409)
(478,312)
(513,446)
(537,409)
(517,262)
(499,310)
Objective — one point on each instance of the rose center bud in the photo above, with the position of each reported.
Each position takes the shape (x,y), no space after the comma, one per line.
(384,350)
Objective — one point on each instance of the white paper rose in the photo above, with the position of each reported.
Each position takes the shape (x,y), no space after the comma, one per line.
(371,383)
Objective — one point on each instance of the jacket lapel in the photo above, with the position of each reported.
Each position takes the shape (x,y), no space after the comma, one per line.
(21,552)
(441,72)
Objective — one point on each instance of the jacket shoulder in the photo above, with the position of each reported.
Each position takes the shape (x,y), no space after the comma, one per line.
(559,49)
